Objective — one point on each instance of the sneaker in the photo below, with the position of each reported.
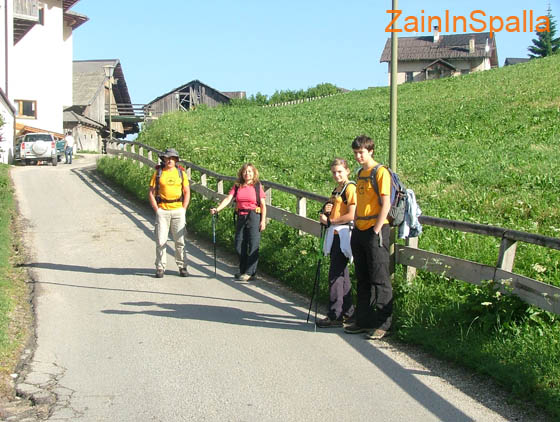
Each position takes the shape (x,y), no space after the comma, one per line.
(355,329)
(328,323)
(376,334)
(159,273)
(183,272)
(244,277)
(237,276)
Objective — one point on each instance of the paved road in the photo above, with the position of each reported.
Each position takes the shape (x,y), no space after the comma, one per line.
(116,344)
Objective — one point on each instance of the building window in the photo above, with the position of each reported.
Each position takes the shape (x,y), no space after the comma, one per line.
(409,76)
(26,109)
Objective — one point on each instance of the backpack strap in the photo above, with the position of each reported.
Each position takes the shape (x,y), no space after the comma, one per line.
(342,192)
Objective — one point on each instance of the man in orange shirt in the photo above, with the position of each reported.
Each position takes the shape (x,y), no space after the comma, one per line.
(169,197)
(370,245)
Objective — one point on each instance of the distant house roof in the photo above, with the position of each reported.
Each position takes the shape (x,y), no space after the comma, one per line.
(88,78)
(452,46)
(180,88)
(515,60)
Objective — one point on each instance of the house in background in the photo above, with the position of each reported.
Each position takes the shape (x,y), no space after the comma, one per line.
(438,56)
(514,60)
(188,96)
(36,78)
(88,117)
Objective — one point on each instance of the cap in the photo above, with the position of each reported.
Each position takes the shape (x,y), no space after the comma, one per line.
(170,152)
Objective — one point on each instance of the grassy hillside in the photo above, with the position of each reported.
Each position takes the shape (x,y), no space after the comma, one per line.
(481,148)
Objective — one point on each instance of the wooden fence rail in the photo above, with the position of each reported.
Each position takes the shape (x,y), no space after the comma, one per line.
(534,292)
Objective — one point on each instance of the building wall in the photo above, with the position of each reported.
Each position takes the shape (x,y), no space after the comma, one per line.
(473,65)
(87,138)
(41,69)
(6,133)
(6,41)
(6,45)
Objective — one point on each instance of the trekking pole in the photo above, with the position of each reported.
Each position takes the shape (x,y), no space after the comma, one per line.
(214,218)
(317,273)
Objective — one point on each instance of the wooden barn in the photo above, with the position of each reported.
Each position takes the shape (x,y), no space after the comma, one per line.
(88,116)
(188,96)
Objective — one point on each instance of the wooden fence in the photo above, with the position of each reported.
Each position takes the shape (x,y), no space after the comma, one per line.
(534,292)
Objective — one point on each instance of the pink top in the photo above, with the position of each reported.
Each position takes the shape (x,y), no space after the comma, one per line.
(247,197)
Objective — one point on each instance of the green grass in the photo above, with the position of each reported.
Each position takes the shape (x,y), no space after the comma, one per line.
(481,148)
(15,314)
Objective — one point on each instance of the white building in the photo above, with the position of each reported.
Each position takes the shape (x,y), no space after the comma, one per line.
(36,38)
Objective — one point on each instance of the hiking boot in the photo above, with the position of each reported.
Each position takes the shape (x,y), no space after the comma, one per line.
(328,323)
(376,334)
(183,272)
(244,277)
(355,329)
(349,320)
(159,273)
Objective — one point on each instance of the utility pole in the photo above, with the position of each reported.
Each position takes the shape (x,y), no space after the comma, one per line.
(393,127)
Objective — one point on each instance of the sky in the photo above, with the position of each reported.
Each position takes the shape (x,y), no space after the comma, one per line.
(264,46)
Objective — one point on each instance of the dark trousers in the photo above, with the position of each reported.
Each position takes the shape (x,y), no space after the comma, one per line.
(374,306)
(247,241)
(340,288)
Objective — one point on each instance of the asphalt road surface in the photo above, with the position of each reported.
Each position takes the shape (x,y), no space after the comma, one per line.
(116,344)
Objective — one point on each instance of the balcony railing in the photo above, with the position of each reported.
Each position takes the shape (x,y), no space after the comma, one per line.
(26,9)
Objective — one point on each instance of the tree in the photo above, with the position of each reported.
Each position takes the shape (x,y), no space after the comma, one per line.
(545,44)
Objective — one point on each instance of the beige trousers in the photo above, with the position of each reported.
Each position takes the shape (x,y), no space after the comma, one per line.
(174,221)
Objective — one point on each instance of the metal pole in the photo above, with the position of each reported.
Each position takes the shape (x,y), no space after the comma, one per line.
(110,106)
(393,128)
(394,84)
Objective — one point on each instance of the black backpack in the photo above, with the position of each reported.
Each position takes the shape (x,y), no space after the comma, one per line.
(398,196)
(159,169)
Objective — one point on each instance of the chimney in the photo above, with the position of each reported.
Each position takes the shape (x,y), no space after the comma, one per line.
(471,45)
(436,34)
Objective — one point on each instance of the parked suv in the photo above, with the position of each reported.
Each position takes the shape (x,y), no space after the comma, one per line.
(35,147)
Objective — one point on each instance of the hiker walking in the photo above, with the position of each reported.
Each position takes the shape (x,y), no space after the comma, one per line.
(251,218)
(337,216)
(169,196)
(370,245)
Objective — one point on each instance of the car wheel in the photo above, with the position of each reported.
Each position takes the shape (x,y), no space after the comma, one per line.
(54,161)
(23,162)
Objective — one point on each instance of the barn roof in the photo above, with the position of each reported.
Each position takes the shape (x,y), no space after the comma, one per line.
(182,87)
(88,78)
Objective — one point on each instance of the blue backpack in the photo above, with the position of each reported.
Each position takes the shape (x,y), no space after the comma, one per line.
(398,196)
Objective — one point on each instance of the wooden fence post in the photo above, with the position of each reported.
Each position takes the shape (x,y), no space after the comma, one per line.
(220,186)
(268,200)
(203,180)
(301,209)
(141,152)
(411,242)
(507,254)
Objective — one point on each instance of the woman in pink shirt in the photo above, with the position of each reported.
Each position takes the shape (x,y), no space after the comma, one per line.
(251,218)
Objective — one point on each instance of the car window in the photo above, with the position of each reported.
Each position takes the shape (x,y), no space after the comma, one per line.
(37,137)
